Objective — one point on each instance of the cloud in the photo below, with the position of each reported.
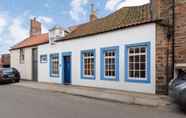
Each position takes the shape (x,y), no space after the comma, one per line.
(46,22)
(3,22)
(77,11)
(112,5)
(132,3)
(45,19)
(17,30)
(14,32)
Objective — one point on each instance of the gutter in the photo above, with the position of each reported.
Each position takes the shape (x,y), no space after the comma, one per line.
(106,31)
(28,46)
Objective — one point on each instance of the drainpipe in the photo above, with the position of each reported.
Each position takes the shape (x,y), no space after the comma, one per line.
(173,37)
(172,34)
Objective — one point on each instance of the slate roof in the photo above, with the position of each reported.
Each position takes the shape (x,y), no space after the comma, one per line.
(124,17)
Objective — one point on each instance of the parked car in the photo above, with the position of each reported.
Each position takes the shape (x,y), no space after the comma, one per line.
(177,89)
(9,75)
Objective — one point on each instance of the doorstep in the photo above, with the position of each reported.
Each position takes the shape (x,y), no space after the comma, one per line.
(159,101)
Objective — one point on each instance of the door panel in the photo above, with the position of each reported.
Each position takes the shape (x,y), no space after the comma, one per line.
(67,69)
(34,64)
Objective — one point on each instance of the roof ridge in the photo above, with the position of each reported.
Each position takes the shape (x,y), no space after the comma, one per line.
(125,16)
(129,7)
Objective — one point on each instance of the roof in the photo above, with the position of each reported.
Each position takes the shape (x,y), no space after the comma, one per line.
(32,41)
(124,17)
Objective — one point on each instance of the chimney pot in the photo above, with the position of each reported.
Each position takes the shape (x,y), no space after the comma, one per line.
(155,9)
(93,15)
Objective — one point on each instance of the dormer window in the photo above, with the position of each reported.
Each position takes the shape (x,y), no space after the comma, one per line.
(56,33)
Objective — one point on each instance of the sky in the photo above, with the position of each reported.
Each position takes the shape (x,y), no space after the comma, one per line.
(15,15)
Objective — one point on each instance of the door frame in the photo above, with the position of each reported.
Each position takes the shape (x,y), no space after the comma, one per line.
(36,79)
(62,67)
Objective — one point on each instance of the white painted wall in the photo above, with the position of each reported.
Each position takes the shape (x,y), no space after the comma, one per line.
(26,68)
(143,33)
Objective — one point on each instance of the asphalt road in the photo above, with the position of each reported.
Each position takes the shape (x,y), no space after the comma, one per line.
(20,102)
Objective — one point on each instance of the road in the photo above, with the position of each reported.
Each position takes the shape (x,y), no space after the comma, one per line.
(20,102)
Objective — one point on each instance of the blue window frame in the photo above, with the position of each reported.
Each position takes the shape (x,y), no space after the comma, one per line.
(109,63)
(54,65)
(88,64)
(137,63)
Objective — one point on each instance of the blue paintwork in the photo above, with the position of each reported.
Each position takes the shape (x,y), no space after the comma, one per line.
(81,69)
(102,50)
(50,74)
(68,66)
(146,45)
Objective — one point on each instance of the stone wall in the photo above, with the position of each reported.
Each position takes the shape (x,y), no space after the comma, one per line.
(163,59)
(163,46)
(180,32)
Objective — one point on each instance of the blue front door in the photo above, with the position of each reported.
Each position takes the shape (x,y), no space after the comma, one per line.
(67,69)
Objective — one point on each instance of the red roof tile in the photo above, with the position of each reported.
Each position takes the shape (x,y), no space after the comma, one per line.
(32,41)
(124,17)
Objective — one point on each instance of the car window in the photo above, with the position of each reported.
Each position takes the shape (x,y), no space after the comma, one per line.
(9,70)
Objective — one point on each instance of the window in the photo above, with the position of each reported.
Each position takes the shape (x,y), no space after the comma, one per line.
(54,65)
(88,64)
(110,63)
(22,56)
(138,62)
(43,58)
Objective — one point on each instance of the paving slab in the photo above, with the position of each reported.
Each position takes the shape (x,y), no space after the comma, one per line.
(103,94)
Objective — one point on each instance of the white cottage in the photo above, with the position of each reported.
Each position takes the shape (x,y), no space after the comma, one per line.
(120,51)
(114,52)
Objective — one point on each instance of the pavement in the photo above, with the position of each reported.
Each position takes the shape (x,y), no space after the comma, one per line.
(24,102)
(159,101)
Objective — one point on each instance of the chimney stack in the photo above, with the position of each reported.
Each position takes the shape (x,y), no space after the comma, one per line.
(35,27)
(155,9)
(93,14)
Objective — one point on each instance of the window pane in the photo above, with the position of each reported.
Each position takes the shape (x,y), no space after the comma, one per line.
(131,73)
(131,58)
(137,62)
(137,74)
(88,62)
(131,66)
(142,74)
(137,50)
(142,66)
(142,58)
(109,62)
(55,65)
(137,59)
(137,66)
(143,50)
(131,50)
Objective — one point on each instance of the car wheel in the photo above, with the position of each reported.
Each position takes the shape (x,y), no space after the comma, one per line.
(13,81)
(17,80)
